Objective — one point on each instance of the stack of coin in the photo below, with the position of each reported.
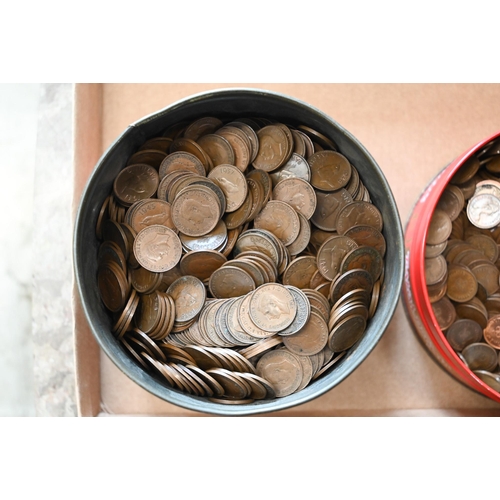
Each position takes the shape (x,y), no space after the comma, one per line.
(462,264)
(240,259)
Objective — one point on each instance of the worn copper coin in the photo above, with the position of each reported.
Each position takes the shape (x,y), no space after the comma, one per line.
(464,332)
(135,182)
(480,356)
(331,254)
(233,184)
(311,339)
(461,283)
(295,168)
(445,313)
(298,193)
(273,148)
(282,369)
(492,332)
(230,281)
(272,307)
(157,248)
(280,219)
(359,213)
(330,170)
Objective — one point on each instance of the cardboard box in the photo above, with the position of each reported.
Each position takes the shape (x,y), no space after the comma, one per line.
(412,131)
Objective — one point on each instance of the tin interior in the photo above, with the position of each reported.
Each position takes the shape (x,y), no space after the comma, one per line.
(233,103)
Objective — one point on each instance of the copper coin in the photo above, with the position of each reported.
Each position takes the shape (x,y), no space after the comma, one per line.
(485,244)
(256,241)
(251,135)
(201,263)
(330,170)
(318,137)
(152,157)
(157,143)
(492,332)
(461,283)
(445,313)
(435,270)
(196,211)
(351,280)
(230,281)
(272,307)
(113,286)
(189,296)
(233,184)
(152,212)
(311,339)
(331,254)
(218,149)
(359,213)
(298,193)
(328,207)
(451,201)
(303,312)
(480,356)
(262,178)
(157,248)
(368,236)
(234,387)
(487,275)
(201,127)
(190,146)
(135,182)
(466,171)
(280,219)
(345,334)
(240,143)
(295,168)
(369,259)
(273,148)
(464,332)
(181,161)
(282,369)
(439,228)
(300,271)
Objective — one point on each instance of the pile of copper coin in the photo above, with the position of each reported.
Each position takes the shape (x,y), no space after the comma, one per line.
(462,264)
(240,259)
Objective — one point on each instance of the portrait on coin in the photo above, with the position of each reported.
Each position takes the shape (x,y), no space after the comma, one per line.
(197,212)
(156,246)
(272,307)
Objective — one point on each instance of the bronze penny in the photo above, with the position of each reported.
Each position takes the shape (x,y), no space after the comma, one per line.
(359,213)
(264,179)
(251,136)
(445,313)
(435,270)
(196,211)
(247,323)
(492,332)
(295,168)
(480,356)
(257,241)
(487,275)
(240,216)
(240,145)
(280,219)
(273,148)
(201,263)
(466,171)
(298,193)
(369,236)
(351,280)
(451,201)
(109,250)
(135,182)
(282,369)
(145,281)
(258,198)
(157,248)
(112,231)
(214,240)
(311,339)
(330,170)
(233,184)
(234,386)
(432,251)
(369,259)
(152,212)
(300,271)
(461,283)
(439,228)
(189,296)
(218,149)
(318,137)
(113,286)
(464,332)
(181,161)
(485,244)
(201,127)
(230,281)
(473,309)
(272,307)
(331,254)
(157,143)
(346,333)
(190,146)
(303,312)
(150,157)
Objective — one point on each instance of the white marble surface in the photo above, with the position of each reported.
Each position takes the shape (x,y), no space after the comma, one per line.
(54,378)
(18,129)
